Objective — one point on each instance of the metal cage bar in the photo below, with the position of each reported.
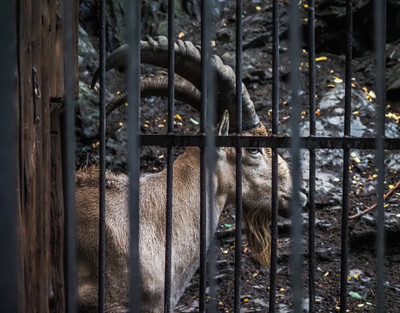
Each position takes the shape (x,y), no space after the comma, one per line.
(8,160)
(133,40)
(380,81)
(363,143)
(346,159)
(296,259)
(239,211)
(209,161)
(274,171)
(312,170)
(170,156)
(69,162)
(203,162)
(102,152)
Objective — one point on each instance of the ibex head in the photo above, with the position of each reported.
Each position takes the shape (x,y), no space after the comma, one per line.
(257,162)
(256,192)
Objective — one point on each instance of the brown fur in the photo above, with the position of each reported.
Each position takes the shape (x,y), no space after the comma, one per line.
(257,219)
(256,196)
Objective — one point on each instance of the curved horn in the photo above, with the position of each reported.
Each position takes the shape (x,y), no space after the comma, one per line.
(157,85)
(188,65)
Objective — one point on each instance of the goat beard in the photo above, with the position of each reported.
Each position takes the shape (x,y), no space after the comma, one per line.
(257,220)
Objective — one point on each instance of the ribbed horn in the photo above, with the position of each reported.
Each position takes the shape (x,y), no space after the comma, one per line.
(188,65)
(157,85)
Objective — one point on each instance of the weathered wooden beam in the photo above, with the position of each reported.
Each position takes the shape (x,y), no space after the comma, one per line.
(41,72)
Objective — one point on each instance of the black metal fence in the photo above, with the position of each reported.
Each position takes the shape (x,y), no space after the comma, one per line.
(8,157)
(207,142)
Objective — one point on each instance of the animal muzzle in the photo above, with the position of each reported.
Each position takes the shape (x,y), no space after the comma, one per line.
(285,199)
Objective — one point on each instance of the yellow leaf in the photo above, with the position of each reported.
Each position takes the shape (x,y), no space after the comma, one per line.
(372,94)
(258,8)
(319,59)
(181,35)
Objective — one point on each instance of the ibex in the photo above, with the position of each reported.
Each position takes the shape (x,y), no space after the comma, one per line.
(186,193)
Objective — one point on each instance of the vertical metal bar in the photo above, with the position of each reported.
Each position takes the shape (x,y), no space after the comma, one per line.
(312,104)
(346,159)
(69,161)
(133,40)
(295,152)
(8,159)
(203,170)
(203,163)
(170,158)
(344,232)
(211,162)
(102,176)
(208,101)
(275,111)
(239,211)
(380,81)
(348,71)
(203,220)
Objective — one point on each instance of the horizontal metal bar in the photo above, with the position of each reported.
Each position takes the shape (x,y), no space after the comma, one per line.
(273,142)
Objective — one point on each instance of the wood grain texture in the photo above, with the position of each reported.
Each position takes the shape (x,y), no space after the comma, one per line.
(41,213)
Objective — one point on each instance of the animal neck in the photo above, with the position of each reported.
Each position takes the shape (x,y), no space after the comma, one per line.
(187,167)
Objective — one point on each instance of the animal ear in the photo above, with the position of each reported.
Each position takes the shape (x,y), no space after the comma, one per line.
(223,126)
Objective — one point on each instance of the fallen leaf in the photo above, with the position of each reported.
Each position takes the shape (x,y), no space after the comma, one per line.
(194,121)
(355,295)
(319,59)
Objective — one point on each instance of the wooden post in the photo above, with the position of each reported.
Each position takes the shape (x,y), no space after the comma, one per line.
(41,90)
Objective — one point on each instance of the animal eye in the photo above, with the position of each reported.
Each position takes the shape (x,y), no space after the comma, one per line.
(254,150)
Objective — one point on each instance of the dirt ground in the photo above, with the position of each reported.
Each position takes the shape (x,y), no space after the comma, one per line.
(257,76)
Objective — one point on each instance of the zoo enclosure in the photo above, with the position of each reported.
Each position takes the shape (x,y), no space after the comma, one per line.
(207,141)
